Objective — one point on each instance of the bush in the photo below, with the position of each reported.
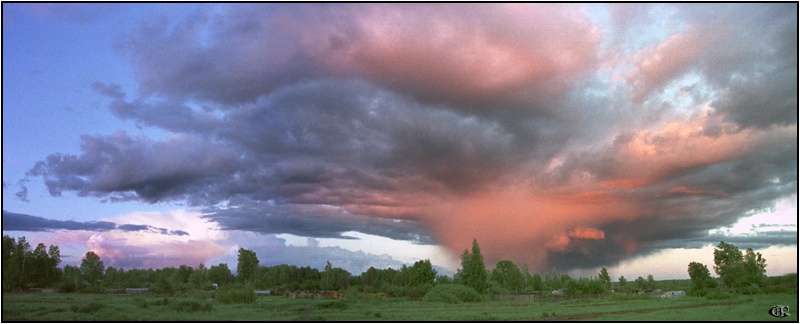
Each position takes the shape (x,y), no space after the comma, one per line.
(451,293)
(718,294)
(161,302)
(68,287)
(236,295)
(699,292)
(199,294)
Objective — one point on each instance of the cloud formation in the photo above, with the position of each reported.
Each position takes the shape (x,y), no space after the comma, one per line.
(28,223)
(23,222)
(520,125)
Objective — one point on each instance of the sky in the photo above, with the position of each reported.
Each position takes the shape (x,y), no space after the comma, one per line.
(634,137)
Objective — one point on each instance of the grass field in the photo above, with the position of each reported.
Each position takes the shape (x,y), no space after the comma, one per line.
(110,307)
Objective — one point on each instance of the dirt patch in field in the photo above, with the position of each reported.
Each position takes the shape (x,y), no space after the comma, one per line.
(633,311)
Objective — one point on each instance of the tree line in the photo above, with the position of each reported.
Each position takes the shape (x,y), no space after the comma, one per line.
(24,267)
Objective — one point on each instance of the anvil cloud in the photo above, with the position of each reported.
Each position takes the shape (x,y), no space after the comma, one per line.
(548,132)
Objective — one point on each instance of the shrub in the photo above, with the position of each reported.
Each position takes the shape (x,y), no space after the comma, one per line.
(452,293)
(161,302)
(236,295)
(68,287)
(699,292)
(718,294)
(199,294)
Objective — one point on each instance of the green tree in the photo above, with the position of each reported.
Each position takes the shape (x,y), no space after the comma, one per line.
(622,282)
(71,279)
(508,275)
(248,266)
(92,268)
(443,279)
(8,247)
(604,278)
(651,283)
(422,273)
(537,282)
(755,267)
(640,283)
(199,278)
(220,274)
(15,258)
(473,270)
(54,259)
(334,278)
(737,269)
(700,276)
(728,263)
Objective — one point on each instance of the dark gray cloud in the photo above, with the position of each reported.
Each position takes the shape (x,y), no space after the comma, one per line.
(122,163)
(133,228)
(23,222)
(316,120)
(314,220)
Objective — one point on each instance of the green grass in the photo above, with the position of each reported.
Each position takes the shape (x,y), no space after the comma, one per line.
(107,307)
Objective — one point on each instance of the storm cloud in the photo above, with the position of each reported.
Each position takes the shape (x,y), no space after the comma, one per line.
(553,139)
(23,222)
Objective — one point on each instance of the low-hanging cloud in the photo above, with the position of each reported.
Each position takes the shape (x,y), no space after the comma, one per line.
(29,223)
(23,222)
(513,124)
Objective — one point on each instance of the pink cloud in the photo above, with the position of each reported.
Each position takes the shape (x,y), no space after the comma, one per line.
(149,249)
(656,66)
(467,52)
(587,233)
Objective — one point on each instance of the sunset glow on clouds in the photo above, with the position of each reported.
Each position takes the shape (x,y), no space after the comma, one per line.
(557,135)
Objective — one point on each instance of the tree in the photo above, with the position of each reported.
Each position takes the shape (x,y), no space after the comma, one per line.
(728,263)
(334,278)
(220,274)
(71,279)
(640,283)
(622,282)
(700,276)
(737,269)
(473,272)
(651,283)
(755,267)
(604,278)
(508,275)
(54,259)
(199,278)
(92,268)
(247,267)
(537,282)
(422,273)
(15,256)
